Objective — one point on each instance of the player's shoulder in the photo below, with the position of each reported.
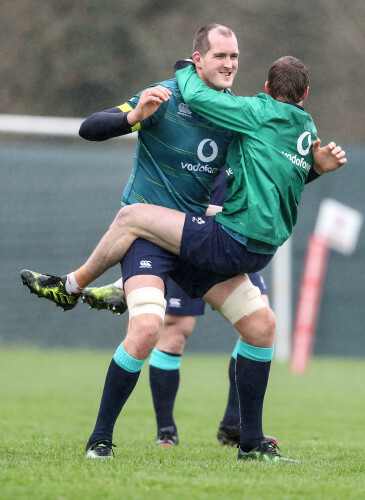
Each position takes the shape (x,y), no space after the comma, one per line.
(261,99)
(255,104)
(170,84)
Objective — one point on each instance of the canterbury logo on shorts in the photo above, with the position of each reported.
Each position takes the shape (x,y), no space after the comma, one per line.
(198,220)
(175,302)
(145,264)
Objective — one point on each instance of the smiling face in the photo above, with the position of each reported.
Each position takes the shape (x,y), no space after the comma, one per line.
(218,66)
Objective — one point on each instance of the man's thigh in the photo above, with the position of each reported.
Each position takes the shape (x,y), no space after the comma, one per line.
(142,281)
(218,294)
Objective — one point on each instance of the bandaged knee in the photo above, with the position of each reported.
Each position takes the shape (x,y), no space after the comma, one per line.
(148,300)
(243,301)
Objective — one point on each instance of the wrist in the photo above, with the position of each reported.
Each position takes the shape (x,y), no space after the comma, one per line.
(131,118)
(317,169)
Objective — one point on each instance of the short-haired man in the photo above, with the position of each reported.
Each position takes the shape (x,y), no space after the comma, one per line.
(165,359)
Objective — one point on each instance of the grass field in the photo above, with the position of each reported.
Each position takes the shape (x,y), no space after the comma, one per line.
(49,402)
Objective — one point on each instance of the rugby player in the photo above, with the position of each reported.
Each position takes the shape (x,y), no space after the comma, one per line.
(165,359)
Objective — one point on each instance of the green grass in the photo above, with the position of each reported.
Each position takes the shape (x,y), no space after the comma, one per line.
(49,402)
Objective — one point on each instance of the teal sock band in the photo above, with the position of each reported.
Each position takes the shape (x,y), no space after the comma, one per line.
(125,361)
(255,353)
(164,361)
(235,350)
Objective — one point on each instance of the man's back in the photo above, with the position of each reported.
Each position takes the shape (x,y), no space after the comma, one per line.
(263,197)
(268,161)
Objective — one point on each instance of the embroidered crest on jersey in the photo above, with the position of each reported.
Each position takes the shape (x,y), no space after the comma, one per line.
(184,110)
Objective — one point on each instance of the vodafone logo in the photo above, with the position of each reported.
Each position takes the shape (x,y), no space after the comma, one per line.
(304,141)
(306,138)
(213,150)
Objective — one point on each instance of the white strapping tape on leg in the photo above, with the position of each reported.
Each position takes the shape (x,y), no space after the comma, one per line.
(148,300)
(244,300)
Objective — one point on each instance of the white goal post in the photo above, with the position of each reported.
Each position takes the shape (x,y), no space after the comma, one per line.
(45,125)
(282,300)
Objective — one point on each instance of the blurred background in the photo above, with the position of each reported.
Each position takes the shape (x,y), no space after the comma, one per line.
(69,59)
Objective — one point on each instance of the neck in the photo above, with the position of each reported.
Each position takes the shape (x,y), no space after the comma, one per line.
(281,99)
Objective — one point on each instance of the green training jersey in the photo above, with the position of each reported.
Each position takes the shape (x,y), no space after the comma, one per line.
(179,154)
(268,160)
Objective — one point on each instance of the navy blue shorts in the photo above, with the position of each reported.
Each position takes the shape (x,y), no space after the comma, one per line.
(179,302)
(258,280)
(208,246)
(146,258)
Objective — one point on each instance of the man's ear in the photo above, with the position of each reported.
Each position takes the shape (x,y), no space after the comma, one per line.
(305,94)
(267,91)
(197,59)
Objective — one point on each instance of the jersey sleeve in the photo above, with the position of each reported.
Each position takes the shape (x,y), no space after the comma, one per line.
(105,125)
(240,114)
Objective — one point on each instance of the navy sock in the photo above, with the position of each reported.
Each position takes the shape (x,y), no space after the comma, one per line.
(251,379)
(232,413)
(164,385)
(119,384)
